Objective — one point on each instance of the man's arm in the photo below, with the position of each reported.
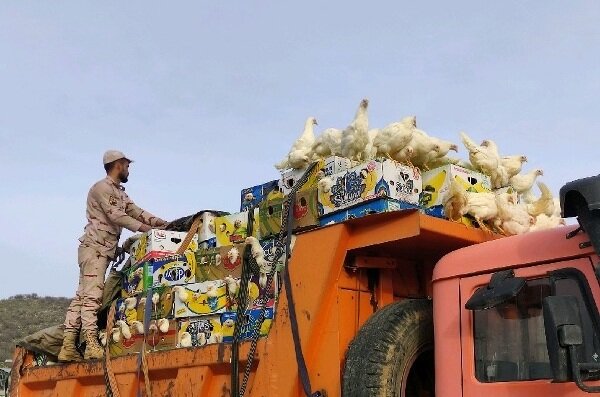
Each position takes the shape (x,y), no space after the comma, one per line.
(142,215)
(103,195)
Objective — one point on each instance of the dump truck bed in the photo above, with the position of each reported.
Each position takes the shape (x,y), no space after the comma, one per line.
(341,274)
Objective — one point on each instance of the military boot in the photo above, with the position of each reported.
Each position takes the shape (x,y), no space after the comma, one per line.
(68,351)
(93,350)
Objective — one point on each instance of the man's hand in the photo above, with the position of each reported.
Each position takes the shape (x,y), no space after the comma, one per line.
(145,228)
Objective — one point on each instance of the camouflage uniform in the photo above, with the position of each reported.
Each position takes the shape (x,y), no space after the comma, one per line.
(109,210)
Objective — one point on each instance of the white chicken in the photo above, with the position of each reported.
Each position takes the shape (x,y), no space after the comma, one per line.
(543,205)
(544,222)
(481,206)
(394,137)
(185,339)
(102,337)
(325,184)
(523,182)
(233,286)
(137,328)
(513,164)
(124,328)
(181,293)
(300,154)
(498,176)
(115,334)
(355,137)
(484,158)
(371,150)
(329,143)
(163,325)
(423,147)
(512,218)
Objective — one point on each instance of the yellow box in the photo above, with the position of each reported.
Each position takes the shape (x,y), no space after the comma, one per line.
(233,229)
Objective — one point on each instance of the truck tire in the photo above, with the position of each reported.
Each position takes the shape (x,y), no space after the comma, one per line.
(392,354)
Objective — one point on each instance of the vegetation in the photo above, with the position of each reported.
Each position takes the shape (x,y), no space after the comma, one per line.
(22,315)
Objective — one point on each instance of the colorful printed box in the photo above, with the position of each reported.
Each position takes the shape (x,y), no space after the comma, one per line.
(124,347)
(376,206)
(218,263)
(374,179)
(253,315)
(164,306)
(208,297)
(167,271)
(253,196)
(436,183)
(273,251)
(329,166)
(306,213)
(200,331)
(232,229)
(158,243)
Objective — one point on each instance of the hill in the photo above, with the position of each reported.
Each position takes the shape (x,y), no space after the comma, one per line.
(22,315)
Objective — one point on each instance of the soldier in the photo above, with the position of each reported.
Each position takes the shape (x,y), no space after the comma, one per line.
(109,210)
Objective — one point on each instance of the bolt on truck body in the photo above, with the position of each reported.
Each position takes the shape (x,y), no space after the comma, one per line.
(400,304)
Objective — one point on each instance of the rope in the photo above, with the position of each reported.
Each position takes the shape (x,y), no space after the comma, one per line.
(112,388)
(190,235)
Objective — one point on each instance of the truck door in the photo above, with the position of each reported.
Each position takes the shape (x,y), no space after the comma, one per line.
(504,349)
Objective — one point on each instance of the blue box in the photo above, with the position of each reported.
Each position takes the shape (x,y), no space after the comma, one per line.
(257,194)
(436,211)
(228,319)
(376,206)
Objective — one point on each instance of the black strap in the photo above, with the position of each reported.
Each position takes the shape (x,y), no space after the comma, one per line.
(302,369)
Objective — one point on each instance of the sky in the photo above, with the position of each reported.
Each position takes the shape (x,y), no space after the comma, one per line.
(207,96)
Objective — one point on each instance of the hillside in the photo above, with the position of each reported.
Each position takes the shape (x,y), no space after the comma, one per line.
(22,315)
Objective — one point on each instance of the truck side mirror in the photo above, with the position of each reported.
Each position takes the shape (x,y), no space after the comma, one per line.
(502,287)
(564,334)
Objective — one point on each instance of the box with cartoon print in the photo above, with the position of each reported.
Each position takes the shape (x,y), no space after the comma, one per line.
(253,196)
(233,228)
(218,263)
(373,179)
(197,299)
(199,331)
(326,167)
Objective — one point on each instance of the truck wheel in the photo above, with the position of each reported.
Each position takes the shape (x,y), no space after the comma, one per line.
(392,354)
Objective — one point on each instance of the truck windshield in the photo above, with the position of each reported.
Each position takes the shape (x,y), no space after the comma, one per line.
(510,341)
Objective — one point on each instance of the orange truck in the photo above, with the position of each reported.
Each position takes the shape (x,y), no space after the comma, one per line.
(400,304)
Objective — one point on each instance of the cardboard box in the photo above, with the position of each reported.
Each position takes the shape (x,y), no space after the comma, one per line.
(228,321)
(374,179)
(157,340)
(376,206)
(306,213)
(166,271)
(203,330)
(164,308)
(124,347)
(329,166)
(436,183)
(218,263)
(208,297)
(272,251)
(158,243)
(253,196)
(233,228)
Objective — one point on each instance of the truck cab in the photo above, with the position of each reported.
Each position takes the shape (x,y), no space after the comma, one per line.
(519,316)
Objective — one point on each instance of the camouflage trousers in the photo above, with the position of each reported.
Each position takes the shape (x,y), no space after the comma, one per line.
(83,310)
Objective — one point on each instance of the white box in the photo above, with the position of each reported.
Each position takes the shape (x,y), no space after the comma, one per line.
(157,243)
(370,180)
(329,166)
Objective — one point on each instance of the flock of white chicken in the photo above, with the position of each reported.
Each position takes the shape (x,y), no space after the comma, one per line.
(501,211)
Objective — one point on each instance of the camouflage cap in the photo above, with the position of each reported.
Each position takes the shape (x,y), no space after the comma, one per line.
(114,155)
